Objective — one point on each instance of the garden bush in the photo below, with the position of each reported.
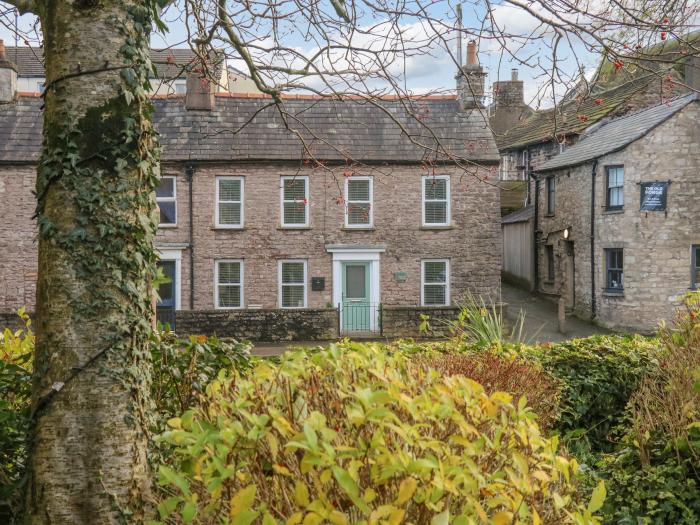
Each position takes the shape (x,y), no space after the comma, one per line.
(599,375)
(356,434)
(182,368)
(654,476)
(505,373)
(16,348)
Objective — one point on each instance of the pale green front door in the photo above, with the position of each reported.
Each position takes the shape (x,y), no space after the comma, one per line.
(356,293)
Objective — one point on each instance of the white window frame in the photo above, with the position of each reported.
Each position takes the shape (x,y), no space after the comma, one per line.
(280,283)
(217,202)
(307,206)
(216,284)
(174,255)
(423,283)
(168,199)
(370,224)
(448,212)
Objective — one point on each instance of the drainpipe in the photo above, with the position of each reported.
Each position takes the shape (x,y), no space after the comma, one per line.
(593,298)
(535,232)
(189,173)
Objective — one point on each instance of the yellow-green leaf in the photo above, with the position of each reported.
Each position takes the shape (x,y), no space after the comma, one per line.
(597,498)
(242,500)
(406,489)
(301,494)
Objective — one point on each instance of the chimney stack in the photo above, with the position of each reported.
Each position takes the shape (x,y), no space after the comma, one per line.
(509,93)
(470,80)
(200,91)
(8,77)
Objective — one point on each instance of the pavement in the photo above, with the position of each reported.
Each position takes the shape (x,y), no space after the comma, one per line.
(540,325)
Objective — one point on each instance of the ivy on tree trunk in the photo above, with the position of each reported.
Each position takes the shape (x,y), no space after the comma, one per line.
(97,222)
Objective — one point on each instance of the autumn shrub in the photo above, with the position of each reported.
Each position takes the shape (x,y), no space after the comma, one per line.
(356,434)
(16,348)
(499,372)
(654,476)
(182,368)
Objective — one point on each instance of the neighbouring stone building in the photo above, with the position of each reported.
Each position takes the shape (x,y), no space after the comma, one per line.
(617,223)
(346,222)
(526,139)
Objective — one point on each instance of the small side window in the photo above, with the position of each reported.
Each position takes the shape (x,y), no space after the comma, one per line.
(614,260)
(614,197)
(551,195)
(695,267)
(549,249)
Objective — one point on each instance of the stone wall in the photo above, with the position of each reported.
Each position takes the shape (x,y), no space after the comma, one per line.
(406,321)
(260,325)
(307,324)
(656,244)
(18,248)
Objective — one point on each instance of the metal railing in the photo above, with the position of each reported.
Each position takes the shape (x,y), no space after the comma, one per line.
(360,317)
(166,316)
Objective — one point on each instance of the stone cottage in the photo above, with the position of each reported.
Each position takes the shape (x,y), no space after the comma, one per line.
(527,139)
(318,218)
(617,217)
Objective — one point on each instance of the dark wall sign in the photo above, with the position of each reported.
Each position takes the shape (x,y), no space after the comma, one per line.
(654,196)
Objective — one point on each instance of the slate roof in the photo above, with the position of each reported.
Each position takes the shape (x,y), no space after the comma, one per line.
(617,134)
(170,63)
(334,130)
(572,117)
(521,215)
(611,88)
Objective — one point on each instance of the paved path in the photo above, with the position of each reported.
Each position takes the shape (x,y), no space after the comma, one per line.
(541,317)
(541,324)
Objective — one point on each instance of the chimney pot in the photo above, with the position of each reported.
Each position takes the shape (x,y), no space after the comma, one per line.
(514,74)
(2,49)
(472,58)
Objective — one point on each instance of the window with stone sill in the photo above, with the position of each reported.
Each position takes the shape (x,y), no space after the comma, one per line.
(228,280)
(614,270)
(292,284)
(436,200)
(358,202)
(229,202)
(435,282)
(166,198)
(695,267)
(294,196)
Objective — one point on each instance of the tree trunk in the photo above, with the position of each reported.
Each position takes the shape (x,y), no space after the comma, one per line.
(88,457)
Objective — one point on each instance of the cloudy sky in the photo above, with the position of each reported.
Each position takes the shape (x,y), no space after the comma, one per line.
(434,68)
